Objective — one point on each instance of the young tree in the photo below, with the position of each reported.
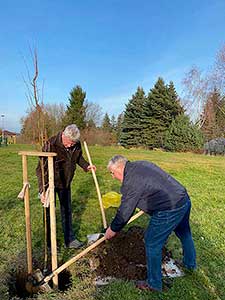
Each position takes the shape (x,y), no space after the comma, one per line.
(35,100)
(75,112)
(131,127)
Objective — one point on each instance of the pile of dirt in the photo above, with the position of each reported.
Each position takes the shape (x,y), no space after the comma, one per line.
(123,256)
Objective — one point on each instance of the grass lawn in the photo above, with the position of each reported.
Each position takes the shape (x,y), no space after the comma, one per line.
(204,178)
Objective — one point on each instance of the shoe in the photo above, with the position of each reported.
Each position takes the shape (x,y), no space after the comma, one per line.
(143,285)
(75,244)
(167,283)
(186,269)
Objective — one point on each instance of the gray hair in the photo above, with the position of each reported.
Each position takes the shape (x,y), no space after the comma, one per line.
(72,132)
(117,160)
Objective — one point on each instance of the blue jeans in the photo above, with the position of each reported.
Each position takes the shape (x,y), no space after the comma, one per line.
(161,225)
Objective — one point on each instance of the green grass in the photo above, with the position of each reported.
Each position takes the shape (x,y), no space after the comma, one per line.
(203,177)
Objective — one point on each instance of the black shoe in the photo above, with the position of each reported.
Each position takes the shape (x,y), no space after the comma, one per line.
(143,285)
(75,244)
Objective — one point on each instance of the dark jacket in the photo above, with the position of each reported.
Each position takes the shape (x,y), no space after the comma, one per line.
(149,188)
(64,163)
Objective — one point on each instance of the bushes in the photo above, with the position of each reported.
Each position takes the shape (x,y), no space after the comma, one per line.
(182,135)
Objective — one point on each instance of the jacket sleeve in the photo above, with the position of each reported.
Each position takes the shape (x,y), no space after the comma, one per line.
(46,148)
(129,202)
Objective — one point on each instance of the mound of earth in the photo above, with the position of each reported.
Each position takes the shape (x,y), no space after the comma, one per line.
(123,256)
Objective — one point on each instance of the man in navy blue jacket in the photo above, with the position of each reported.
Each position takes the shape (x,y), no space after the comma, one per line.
(148,187)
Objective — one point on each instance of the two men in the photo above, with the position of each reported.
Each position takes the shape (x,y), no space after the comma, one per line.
(69,153)
(148,187)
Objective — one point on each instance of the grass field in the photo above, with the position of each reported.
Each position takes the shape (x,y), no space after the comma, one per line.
(204,178)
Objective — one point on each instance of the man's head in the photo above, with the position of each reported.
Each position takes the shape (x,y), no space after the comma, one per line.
(70,135)
(116,166)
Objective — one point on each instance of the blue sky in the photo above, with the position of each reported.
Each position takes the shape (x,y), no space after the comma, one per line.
(108,47)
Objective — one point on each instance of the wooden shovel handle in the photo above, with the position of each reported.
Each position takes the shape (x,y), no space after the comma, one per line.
(97,187)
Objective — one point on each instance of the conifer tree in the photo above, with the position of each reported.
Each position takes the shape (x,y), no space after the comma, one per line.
(119,126)
(131,126)
(106,125)
(182,135)
(75,112)
(160,108)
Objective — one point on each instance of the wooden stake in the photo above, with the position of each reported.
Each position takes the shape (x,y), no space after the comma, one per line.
(52,218)
(97,187)
(27,215)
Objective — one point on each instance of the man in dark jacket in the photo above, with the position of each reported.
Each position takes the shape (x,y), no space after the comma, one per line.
(148,187)
(69,153)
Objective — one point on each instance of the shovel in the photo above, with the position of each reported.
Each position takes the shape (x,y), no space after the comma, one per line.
(93,237)
(43,284)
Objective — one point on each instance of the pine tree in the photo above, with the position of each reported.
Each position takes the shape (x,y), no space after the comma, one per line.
(75,112)
(106,125)
(160,108)
(182,135)
(113,123)
(131,126)
(176,106)
(119,126)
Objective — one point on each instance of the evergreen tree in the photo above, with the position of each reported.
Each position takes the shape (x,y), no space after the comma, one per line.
(159,109)
(131,126)
(119,126)
(176,107)
(106,125)
(75,112)
(182,135)
(113,123)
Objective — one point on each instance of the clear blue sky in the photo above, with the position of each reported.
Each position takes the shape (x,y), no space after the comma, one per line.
(108,47)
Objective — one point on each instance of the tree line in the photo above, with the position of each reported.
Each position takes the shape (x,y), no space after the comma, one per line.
(157,119)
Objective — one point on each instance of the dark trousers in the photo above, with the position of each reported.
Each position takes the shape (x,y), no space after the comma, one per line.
(64,196)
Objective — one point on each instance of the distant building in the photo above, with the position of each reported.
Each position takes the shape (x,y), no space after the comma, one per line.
(9,136)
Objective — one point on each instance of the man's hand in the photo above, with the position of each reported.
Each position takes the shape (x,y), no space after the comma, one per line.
(45,199)
(109,233)
(91,167)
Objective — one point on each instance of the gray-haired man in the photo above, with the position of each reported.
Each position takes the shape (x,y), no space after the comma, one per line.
(148,187)
(69,153)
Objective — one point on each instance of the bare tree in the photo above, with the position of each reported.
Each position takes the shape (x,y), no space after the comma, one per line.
(199,86)
(35,98)
(93,114)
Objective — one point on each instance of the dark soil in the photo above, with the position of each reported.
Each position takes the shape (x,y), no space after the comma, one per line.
(123,256)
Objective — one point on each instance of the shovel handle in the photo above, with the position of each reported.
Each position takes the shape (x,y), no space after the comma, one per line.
(85,251)
(97,187)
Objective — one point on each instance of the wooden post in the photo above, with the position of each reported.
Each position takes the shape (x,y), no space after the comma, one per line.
(27,215)
(97,187)
(50,156)
(52,219)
